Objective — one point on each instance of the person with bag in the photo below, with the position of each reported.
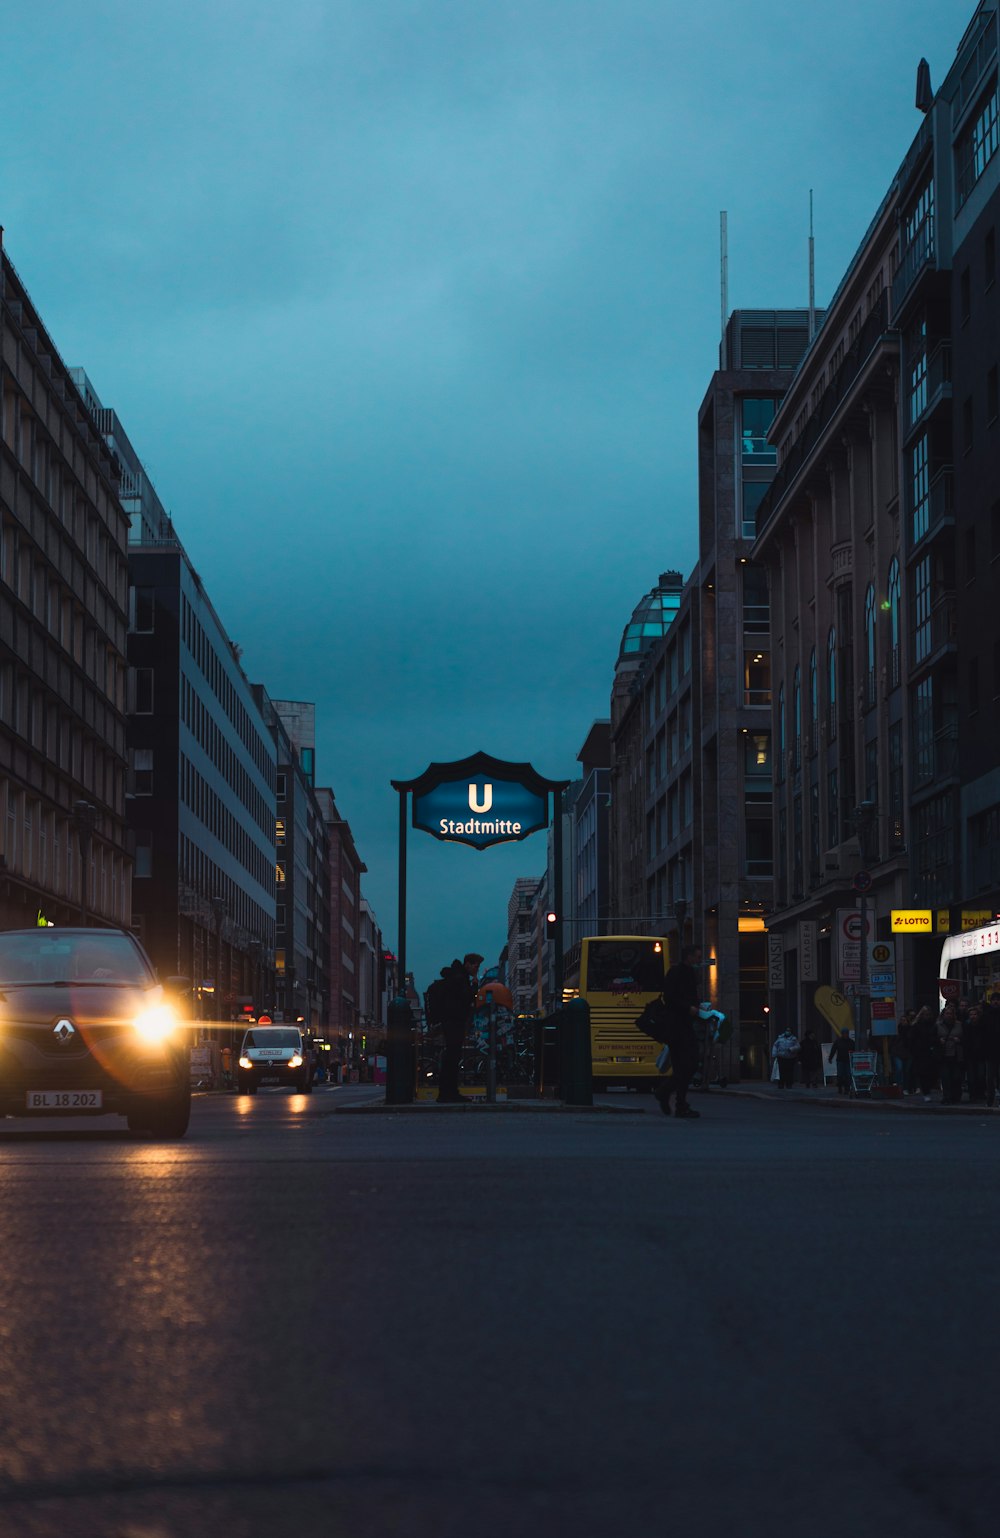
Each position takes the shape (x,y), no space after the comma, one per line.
(453,1006)
(681,1014)
(840,1053)
(784,1052)
(811,1060)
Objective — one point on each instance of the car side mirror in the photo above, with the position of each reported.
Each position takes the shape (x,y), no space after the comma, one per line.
(178,985)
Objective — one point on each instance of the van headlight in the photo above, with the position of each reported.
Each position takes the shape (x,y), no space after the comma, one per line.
(155,1025)
(245,1062)
(295,1061)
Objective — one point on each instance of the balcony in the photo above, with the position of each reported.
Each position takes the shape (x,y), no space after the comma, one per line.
(937,391)
(919,254)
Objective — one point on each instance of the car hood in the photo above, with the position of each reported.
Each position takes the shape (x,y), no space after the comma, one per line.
(96,1003)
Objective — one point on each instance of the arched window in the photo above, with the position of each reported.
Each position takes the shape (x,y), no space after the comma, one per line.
(870,681)
(797,717)
(831,683)
(813,702)
(781,733)
(892,601)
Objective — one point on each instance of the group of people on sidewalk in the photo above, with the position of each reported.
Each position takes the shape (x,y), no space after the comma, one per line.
(956,1051)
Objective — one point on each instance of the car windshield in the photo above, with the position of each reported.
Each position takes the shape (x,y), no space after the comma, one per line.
(48,956)
(270,1038)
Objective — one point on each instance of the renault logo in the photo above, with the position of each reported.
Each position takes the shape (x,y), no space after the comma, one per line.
(64,1031)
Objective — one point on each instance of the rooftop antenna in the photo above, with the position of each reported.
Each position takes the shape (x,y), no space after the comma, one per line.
(724,274)
(812,271)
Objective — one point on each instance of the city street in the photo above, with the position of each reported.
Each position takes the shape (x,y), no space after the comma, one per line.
(303,1320)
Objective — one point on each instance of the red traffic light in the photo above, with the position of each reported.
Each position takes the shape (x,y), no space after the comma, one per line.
(550,918)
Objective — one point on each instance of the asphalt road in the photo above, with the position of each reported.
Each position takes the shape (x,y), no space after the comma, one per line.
(777,1320)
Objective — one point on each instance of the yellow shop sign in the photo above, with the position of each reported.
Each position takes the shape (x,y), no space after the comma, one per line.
(912,921)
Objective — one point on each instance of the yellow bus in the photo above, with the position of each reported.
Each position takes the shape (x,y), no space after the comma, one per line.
(619,974)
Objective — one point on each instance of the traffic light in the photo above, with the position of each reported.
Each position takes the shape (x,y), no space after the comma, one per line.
(550,918)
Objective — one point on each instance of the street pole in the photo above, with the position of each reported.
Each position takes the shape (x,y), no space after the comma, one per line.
(863,986)
(557,898)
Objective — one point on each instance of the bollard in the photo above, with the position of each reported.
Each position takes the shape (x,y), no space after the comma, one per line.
(399,1054)
(576,1083)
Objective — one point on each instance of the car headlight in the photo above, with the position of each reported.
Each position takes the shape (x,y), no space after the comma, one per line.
(295,1061)
(245,1062)
(156,1024)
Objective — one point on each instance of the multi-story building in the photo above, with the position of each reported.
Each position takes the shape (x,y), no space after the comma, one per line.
(730,674)
(651,618)
(346,870)
(63,607)
(523,944)
(302,912)
(591,835)
(879,670)
(201,768)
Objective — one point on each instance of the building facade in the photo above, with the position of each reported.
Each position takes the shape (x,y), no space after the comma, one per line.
(346,870)
(63,608)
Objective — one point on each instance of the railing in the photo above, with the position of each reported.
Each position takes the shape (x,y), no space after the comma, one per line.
(915,258)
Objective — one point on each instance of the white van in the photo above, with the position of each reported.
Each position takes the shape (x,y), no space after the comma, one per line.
(274,1054)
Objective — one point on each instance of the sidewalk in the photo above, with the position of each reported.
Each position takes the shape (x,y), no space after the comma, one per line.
(758,1090)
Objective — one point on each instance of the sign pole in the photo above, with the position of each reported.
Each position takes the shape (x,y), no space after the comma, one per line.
(400,1068)
(557,897)
(401,923)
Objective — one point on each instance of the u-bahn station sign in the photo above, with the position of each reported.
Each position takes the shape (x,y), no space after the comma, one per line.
(480,801)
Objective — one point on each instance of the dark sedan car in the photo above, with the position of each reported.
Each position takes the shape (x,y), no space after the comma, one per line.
(86,1029)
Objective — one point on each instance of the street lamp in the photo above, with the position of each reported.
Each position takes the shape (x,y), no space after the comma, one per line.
(219,914)
(84,820)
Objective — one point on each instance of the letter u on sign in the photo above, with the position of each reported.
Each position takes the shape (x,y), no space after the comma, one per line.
(474,803)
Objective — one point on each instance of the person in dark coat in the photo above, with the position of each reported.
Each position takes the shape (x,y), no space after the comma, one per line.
(681,996)
(925,1049)
(989,1036)
(454,1002)
(840,1053)
(811,1060)
(951,1036)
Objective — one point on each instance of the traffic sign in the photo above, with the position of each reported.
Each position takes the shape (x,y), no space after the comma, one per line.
(862,881)
(949,987)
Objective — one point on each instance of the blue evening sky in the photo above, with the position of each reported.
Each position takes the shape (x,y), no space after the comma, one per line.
(408,309)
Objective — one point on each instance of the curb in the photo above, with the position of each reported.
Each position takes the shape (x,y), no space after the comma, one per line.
(855,1102)
(510,1107)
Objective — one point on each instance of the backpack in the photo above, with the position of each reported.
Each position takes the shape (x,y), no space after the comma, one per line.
(435,1001)
(654,1020)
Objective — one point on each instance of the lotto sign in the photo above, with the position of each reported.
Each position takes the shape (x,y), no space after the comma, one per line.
(912,921)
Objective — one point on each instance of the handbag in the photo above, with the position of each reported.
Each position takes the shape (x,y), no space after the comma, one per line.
(654,1020)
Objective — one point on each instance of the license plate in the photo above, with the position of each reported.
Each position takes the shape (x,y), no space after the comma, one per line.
(65,1099)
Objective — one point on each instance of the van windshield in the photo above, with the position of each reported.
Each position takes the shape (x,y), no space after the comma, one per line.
(269,1038)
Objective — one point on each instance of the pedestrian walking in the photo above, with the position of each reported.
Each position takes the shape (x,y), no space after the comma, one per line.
(681,997)
(452,1004)
(989,1035)
(840,1053)
(925,1049)
(785,1051)
(811,1060)
(951,1037)
(972,1041)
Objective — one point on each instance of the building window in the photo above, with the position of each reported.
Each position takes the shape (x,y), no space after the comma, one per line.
(756,677)
(142,682)
(756,417)
(922,609)
(870,690)
(892,602)
(756,607)
(920,487)
(917,350)
(831,684)
(797,718)
(281,784)
(977,143)
(142,771)
(923,731)
(753,495)
(143,609)
(757,755)
(813,703)
(279,831)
